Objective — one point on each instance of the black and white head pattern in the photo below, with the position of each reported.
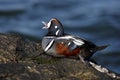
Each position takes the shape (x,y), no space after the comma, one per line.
(54,27)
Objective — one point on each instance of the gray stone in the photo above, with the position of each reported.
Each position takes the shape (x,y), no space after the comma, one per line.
(21,59)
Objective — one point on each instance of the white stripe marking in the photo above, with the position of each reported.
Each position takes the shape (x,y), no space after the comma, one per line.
(57,32)
(69,43)
(56,27)
(65,37)
(76,41)
(49,37)
(49,45)
(47,25)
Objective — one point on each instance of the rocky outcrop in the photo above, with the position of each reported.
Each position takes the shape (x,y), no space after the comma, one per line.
(21,59)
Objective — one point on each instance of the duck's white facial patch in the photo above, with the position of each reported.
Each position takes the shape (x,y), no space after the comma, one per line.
(56,27)
(47,25)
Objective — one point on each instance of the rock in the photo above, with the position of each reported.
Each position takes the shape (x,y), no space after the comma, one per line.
(25,60)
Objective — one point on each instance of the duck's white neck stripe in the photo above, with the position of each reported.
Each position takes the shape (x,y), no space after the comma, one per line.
(49,45)
(57,32)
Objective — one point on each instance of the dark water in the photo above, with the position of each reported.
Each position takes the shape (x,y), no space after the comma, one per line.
(95,20)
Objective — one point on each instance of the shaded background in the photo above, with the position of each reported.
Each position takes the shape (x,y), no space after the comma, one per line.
(95,20)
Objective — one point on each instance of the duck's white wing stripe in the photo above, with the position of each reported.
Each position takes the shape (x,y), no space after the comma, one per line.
(65,37)
(78,42)
(49,45)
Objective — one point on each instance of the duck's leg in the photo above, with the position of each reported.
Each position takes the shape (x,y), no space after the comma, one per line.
(81,58)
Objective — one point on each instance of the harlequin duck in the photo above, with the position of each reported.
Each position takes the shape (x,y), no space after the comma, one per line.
(59,44)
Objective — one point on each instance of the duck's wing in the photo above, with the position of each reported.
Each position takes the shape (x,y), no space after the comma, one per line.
(70,38)
(69,42)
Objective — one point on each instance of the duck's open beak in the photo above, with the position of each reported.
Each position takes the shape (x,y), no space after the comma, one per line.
(45,25)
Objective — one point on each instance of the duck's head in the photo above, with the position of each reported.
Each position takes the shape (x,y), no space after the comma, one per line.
(54,27)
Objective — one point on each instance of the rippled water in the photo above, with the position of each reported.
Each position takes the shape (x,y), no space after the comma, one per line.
(95,20)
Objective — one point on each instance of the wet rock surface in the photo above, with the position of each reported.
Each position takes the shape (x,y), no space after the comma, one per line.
(21,59)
